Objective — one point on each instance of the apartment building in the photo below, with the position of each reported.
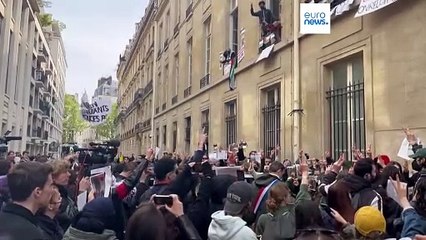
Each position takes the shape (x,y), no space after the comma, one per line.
(107,87)
(32,76)
(135,75)
(358,85)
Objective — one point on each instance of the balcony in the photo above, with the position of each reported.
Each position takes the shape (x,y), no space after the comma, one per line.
(37,108)
(189,10)
(159,54)
(176,30)
(42,54)
(148,89)
(166,44)
(187,92)
(48,71)
(174,100)
(138,128)
(36,133)
(139,94)
(45,110)
(46,93)
(146,125)
(121,114)
(40,79)
(45,135)
(163,107)
(205,81)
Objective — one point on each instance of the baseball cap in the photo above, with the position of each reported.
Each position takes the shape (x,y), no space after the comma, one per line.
(421,153)
(238,196)
(369,219)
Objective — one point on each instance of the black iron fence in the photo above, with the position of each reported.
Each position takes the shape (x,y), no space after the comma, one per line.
(271,126)
(347,122)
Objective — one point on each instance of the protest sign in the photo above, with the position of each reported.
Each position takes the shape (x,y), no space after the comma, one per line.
(96,112)
(101,180)
(369,6)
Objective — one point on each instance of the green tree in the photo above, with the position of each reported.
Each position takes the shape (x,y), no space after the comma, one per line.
(108,129)
(45,19)
(73,122)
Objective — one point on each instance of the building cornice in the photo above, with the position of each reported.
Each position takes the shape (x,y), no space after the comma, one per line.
(129,54)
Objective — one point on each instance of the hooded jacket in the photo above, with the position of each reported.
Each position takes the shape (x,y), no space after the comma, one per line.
(75,234)
(225,227)
(342,194)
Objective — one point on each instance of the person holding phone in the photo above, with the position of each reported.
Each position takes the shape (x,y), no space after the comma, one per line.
(159,219)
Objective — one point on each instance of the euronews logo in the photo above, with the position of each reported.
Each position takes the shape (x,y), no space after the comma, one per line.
(315,18)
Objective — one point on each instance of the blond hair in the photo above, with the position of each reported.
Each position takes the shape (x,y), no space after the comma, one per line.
(59,166)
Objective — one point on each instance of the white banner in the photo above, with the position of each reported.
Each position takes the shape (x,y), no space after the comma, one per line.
(369,6)
(96,112)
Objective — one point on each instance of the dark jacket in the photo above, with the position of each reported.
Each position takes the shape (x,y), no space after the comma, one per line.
(19,223)
(342,194)
(4,192)
(68,209)
(51,228)
(260,183)
(265,16)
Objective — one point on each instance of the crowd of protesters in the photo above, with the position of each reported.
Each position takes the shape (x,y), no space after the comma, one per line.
(182,197)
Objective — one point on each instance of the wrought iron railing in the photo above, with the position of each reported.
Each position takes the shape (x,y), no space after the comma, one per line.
(271,126)
(347,122)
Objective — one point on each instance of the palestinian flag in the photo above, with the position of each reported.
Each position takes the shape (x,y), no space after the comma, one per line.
(234,65)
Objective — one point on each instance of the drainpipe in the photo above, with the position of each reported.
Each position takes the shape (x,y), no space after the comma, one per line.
(296,81)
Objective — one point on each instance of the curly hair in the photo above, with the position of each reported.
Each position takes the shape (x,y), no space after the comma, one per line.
(59,166)
(278,195)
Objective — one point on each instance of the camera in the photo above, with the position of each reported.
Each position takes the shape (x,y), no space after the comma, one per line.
(98,153)
(4,142)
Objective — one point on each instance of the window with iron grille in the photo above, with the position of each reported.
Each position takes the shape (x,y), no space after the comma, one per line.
(174,136)
(272,118)
(346,107)
(187,134)
(231,122)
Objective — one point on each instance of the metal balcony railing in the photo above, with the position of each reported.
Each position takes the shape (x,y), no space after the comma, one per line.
(205,81)
(174,100)
(189,10)
(187,92)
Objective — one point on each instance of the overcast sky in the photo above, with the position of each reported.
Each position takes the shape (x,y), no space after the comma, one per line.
(97,32)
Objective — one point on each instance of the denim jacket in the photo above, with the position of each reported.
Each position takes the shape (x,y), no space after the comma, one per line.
(413,223)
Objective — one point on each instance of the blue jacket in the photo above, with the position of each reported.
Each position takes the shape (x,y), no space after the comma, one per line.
(413,223)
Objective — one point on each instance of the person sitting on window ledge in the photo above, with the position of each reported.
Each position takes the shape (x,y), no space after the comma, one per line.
(266,18)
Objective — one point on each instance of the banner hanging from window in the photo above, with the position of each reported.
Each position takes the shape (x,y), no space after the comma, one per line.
(369,6)
(96,112)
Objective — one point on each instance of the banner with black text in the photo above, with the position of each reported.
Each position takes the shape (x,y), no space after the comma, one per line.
(96,112)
